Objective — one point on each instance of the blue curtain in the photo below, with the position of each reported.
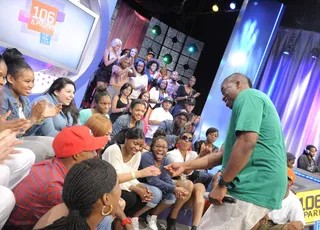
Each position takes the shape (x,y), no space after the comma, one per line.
(292,81)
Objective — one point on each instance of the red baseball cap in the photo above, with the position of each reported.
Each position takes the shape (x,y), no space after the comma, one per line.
(76,139)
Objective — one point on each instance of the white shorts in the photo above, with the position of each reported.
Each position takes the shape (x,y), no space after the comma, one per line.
(239,216)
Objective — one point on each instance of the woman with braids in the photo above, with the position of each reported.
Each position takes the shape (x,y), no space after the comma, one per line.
(102,104)
(62,92)
(91,194)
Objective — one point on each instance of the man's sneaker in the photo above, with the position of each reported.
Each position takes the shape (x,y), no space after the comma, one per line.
(135,223)
(152,222)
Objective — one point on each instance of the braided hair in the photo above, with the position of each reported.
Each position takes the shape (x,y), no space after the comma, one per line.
(84,184)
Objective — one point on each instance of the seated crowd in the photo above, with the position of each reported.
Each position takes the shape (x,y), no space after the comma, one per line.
(103,167)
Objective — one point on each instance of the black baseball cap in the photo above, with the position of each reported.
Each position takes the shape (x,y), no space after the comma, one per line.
(184,113)
(168,99)
(191,101)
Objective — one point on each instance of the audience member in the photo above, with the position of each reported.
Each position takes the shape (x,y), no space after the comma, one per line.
(90,195)
(183,93)
(15,164)
(121,103)
(151,71)
(133,119)
(158,93)
(139,81)
(110,58)
(102,104)
(212,135)
(194,120)
(306,160)
(173,128)
(103,73)
(290,160)
(120,75)
(132,56)
(173,85)
(291,215)
(42,188)
(245,159)
(62,92)
(149,56)
(157,116)
(163,74)
(100,126)
(3,71)
(166,189)
(14,125)
(200,179)
(16,105)
(145,96)
(126,159)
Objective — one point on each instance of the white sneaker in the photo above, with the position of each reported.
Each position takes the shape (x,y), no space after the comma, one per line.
(135,223)
(152,222)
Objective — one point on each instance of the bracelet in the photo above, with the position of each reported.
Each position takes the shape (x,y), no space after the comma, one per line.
(127,220)
(121,110)
(40,121)
(133,175)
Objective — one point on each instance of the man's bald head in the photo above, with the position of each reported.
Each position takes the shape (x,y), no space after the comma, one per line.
(232,86)
(243,79)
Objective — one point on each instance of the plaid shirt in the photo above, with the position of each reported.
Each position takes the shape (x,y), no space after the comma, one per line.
(38,192)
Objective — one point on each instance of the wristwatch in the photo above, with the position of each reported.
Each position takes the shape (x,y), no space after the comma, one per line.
(222,182)
(126,221)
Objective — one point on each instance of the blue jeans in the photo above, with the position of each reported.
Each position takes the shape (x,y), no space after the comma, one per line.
(158,196)
(105,224)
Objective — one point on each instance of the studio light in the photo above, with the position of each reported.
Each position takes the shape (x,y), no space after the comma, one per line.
(232,5)
(156,30)
(315,53)
(192,48)
(167,58)
(289,50)
(215,7)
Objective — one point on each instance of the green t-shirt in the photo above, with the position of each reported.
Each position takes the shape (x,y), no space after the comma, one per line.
(263,181)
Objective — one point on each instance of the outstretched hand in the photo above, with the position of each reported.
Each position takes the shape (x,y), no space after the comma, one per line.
(7,142)
(14,125)
(175,169)
(151,171)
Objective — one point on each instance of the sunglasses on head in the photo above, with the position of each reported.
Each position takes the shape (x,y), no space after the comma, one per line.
(186,138)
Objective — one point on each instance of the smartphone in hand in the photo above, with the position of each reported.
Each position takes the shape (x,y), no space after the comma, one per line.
(226,199)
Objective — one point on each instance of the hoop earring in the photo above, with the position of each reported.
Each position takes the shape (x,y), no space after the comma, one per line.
(108,213)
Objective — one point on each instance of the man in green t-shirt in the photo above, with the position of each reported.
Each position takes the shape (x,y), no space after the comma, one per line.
(254,168)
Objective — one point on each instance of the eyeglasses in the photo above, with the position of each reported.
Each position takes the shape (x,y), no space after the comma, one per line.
(186,138)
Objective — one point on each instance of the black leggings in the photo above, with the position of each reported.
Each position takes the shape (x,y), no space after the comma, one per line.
(133,203)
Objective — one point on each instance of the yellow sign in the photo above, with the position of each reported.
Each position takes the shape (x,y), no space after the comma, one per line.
(310,201)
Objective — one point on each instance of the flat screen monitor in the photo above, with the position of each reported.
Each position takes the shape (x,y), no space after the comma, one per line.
(53,31)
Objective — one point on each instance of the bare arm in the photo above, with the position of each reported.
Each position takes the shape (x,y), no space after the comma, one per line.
(206,162)
(154,122)
(240,155)
(105,58)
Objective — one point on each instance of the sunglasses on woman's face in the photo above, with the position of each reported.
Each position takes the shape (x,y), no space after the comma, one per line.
(186,138)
